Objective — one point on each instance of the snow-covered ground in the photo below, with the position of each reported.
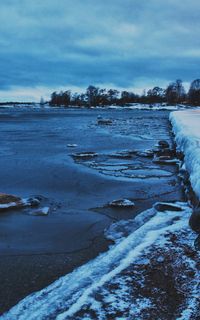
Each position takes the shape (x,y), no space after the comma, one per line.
(186,127)
(153,107)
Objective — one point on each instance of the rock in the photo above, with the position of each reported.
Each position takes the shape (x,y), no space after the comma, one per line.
(7,198)
(164,206)
(156,149)
(194,221)
(163,144)
(8,201)
(180,155)
(197,243)
(12,202)
(32,202)
(40,212)
(166,152)
(122,203)
(106,122)
(184,175)
(191,196)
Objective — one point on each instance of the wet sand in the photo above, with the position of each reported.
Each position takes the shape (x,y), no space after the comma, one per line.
(35,160)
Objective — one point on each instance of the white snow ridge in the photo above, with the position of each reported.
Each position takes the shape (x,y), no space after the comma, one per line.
(186,126)
(107,287)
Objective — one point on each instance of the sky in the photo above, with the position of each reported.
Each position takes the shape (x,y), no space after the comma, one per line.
(48,45)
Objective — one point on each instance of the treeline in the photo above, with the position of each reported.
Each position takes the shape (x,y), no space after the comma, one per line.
(175,93)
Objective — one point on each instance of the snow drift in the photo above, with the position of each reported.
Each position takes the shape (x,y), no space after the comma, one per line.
(71,294)
(186,127)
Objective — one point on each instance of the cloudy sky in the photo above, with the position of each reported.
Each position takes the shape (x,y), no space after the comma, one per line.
(48,45)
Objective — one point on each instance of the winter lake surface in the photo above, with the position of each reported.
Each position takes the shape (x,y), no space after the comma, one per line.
(77,167)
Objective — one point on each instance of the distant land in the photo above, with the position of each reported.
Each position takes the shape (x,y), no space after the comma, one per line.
(174,94)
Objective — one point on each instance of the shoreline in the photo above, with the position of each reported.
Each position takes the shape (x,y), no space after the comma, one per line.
(133,106)
(37,271)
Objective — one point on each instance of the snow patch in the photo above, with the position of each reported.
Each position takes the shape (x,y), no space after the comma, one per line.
(186,126)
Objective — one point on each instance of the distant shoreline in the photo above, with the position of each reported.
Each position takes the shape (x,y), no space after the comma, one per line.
(130,106)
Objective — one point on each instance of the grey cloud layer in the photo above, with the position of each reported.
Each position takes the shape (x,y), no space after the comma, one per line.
(80,42)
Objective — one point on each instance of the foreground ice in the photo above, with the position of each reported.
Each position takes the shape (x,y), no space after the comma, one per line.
(186,126)
(116,284)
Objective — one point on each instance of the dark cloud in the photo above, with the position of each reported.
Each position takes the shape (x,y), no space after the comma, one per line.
(126,43)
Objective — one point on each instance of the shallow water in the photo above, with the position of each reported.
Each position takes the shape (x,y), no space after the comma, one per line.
(35,160)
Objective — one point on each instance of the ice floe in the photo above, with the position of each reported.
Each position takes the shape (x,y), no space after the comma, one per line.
(40,212)
(122,203)
(72,145)
(127,164)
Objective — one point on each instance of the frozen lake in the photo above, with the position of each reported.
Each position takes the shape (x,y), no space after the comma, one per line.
(41,156)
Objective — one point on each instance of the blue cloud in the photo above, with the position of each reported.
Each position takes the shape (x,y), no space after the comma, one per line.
(120,42)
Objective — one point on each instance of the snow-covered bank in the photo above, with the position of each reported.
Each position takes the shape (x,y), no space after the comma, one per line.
(151,107)
(186,127)
(131,106)
(88,292)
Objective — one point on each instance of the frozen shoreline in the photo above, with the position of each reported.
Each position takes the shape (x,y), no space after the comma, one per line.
(148,244)
(36,157)
(74,296)
(186,127)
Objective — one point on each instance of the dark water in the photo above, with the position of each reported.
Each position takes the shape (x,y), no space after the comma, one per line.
(35,160)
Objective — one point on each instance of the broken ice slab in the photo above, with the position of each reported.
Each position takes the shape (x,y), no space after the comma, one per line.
(122,203)
(40,212)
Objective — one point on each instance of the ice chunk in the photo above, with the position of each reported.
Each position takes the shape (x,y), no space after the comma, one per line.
(40,212)
(122,203)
